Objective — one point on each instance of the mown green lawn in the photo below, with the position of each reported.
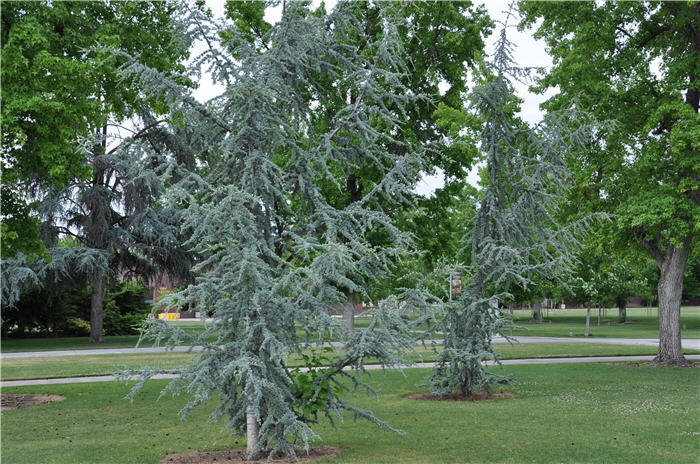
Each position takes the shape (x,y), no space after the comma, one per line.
(563,322)
(641,323)
(16,345)
(108,364)
(560,413)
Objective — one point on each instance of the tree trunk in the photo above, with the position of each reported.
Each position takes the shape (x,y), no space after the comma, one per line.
(355,188)
(512,318)
(252,431)
(588,320)
(95,226)
(349,312)
(538,312)
(97,309)
(670,290)
(622,310)
(599,314)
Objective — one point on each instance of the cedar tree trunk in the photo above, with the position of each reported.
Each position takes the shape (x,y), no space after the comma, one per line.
(252,431)
(96,308)
(349,312)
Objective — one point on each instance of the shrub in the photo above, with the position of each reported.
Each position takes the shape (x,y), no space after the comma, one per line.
(76,327)
(63,309)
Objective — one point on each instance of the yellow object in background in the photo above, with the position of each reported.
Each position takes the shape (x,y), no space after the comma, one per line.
(168,315)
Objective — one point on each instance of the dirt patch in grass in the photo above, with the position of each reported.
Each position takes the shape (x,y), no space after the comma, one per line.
(16,401)
(478,396)
(238,456)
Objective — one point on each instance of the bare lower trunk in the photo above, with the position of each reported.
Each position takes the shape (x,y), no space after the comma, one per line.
(97,309)
(512,317)
(349,312)
(588,320)
(538,312)
(622,311)
(670,290)
(599,314)
(252,431)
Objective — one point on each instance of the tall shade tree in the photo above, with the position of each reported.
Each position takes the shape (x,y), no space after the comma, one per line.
(62,102)
(515,236)
(117,214)
(277,255)
(56,87)
(636,63)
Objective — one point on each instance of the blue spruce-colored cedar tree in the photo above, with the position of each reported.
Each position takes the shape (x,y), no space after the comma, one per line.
(514,235)
(275,254)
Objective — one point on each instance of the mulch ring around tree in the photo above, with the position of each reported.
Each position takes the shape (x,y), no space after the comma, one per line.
(238,456)
(16,401)
(477,396)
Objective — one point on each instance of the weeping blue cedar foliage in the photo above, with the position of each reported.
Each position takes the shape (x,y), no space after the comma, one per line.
(117,211)
(116,214)
(19,274)
(276,255)
(514,236)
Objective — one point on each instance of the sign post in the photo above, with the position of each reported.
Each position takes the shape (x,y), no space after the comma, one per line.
(455,283)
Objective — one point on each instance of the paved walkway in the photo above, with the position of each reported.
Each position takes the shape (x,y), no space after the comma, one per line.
(111,378)
(687,343)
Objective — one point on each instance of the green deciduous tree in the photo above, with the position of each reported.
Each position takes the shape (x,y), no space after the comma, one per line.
(608,274)
(439,223)
(277,253)
(56,87)
(635,63)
